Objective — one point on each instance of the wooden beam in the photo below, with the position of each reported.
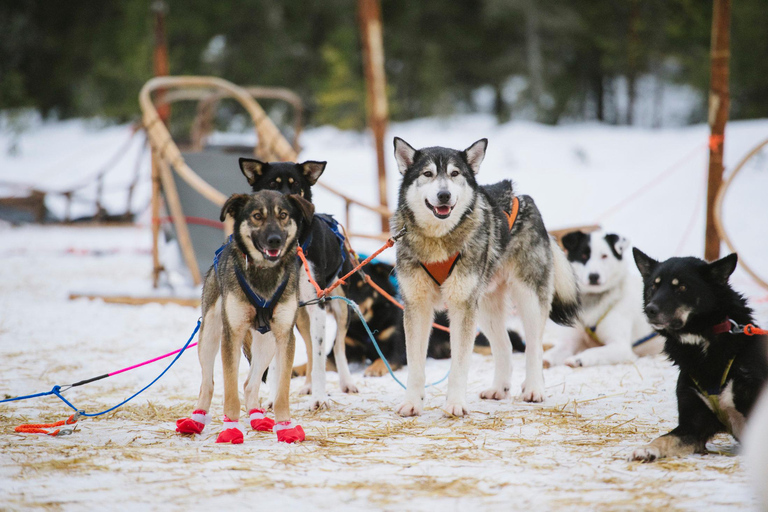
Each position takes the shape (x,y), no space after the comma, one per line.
(719,102)
(371,33)
(137,301)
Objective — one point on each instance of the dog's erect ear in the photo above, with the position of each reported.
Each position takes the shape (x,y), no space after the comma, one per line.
(404,154)
(475,154)
(312,170)
(251,169)
(618,244)
(306,208)
(572,240)
(233,205)
(722,269)
(645,264)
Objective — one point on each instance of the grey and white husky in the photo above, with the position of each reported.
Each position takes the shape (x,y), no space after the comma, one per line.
(474,250)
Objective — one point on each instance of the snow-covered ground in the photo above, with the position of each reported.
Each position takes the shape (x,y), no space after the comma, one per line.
(566,453)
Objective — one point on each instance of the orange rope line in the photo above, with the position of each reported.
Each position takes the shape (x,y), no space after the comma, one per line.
(39,428)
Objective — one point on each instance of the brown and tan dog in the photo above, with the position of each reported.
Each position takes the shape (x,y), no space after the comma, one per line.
(252,287)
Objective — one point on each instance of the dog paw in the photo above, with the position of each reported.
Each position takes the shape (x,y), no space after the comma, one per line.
(408,408)
(645,454)
(573,362)
(319,403)
(455,410)
(306,389)
(348,387)
(376,369)
(532,393)
(495,393)
(299,371)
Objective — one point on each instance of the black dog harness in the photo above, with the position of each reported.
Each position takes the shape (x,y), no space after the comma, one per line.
(333,225)
(439,271)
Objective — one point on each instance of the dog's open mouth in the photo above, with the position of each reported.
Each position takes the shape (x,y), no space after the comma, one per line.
(272,254)
(441,212)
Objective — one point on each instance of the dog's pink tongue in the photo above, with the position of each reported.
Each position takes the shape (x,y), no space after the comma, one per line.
(273,253)
(443,210)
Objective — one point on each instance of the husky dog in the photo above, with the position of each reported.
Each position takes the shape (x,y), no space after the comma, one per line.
(473,248)
(690,303)
(252,286)
(328,258)
(611,327)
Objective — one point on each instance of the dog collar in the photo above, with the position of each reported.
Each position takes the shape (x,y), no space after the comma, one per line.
(722,327)
(439,271)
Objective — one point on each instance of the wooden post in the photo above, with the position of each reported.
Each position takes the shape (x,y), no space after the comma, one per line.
(160,56)
(156,266)
(719,102)
(161,68)
(369,12)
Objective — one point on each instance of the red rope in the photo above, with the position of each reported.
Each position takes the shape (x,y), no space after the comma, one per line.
(751,330)
(40,428)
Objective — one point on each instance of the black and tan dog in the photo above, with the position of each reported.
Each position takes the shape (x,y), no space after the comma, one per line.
(722,370)
(323,244)
(252,287)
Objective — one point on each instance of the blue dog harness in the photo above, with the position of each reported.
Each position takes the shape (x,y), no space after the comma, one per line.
(264,308)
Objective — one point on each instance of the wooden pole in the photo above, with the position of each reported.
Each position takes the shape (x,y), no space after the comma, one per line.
(719,102)
(369,12)
(161,68)
(160,56)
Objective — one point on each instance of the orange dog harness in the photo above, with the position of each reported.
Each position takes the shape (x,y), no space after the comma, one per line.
(439,271)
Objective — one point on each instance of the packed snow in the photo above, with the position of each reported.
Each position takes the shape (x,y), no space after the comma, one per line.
(569,452)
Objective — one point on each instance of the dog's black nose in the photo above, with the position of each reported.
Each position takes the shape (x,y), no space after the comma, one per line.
(443,196)
(594,278)
(274,241)
(651,310)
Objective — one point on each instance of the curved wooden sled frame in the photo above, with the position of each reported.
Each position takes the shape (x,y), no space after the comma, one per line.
(719,225)
(166,156)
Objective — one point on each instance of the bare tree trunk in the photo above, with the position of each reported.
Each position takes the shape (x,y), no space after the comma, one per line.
(633,50)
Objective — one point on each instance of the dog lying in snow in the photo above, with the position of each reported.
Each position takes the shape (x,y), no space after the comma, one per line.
(611,327)
(722,369)
(252,287)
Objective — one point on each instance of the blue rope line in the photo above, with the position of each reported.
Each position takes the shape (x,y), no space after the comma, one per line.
(376,345)
(57,389)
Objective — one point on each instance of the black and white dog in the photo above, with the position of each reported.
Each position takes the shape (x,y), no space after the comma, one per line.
(722,370)
(611,327)
(328,258)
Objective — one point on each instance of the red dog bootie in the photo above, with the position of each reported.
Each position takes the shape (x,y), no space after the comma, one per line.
(259,421)
(232,433)
(195,424)
(288,432)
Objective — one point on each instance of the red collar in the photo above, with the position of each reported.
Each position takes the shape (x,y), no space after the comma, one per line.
(722,327)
